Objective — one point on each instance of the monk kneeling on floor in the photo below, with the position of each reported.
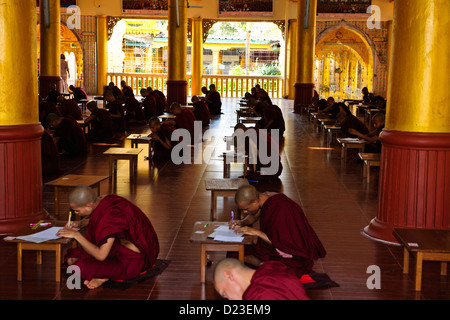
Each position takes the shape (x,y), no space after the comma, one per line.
(120,242)
(271,281)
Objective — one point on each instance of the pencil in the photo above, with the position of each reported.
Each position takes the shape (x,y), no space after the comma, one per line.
(70,216)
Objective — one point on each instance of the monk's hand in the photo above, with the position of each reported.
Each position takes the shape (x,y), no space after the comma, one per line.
(67,233)
(247,231)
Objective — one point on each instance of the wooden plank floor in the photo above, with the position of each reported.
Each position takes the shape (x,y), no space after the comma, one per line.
(338,203)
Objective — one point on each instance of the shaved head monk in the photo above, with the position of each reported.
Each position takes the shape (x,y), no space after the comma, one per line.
(271,281)
(120,241)
(284,233)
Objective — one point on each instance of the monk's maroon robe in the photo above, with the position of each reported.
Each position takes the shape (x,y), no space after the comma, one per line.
(149,106)
(134,110)
(70,108)
(116,217)
(201,112)
(49,154)
(79,94)
(116,109)
(161,101)
(72,138)
(287,227)
(159,151)
(101,126)
(274,281)
(185,120)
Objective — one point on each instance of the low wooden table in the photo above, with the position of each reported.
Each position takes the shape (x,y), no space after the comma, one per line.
(71,181)
(51,245)
(350,143)
(166,117)
(200,233)
(130,154)
(370,160)
(425,244)
(249,119)
(84,103)
(232,156)
(222,188)
(331,129)
(137,139)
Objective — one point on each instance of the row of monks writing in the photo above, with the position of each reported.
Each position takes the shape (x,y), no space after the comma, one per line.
(124,245)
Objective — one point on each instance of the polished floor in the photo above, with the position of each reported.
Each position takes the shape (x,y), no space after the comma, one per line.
(336,200)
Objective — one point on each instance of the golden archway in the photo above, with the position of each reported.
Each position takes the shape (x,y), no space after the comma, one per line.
(344,63)
(72,49)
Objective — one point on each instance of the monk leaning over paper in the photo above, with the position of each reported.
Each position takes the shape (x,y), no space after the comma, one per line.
(120,242)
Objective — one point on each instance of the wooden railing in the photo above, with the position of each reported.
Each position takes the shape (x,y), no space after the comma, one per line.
(227,86)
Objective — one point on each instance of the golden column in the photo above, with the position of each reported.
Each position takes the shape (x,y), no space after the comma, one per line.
(102,58)
(50,35)
(20,130)
(197,56)
(176,77)
(414,172)
(291,44)
(306,42)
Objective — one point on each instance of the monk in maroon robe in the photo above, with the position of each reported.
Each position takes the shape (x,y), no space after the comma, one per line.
(161,142)
(117,111)
(185,119)
(101,123)
(49,154)
(271,281)
(120,241)
(284,232)
(201,111)
(70,137)
(115,90)
(69,108)
(161,101)
(126,89)
(78,93)
(149,104)
(134,112)
(350,121)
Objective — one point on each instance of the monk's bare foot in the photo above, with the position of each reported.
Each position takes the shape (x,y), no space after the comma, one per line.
(94,283)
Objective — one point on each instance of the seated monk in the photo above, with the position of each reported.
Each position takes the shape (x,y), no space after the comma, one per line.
(185,118)
(101,123)
(284,233)
(149,104)
(272,280)
(69,136)
(201,111)
(78,93)
(213,100)
(53,94)
(134,112)
(272,118)
(120,241)
(126,89)
(69,108)
(161,139)
(374,145)
(117,111)
(49,154)
(45,108)
(349,121)
(259,146)
(160,100)
(115,90)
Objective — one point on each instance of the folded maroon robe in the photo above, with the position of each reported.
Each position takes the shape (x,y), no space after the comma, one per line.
(116,217)
(285,224)
(274,281)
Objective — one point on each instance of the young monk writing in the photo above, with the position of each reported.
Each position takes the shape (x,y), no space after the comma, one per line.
(120,241)
(284,233)
(271,281)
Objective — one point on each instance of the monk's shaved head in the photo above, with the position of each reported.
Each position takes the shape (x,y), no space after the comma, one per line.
(81,196)
(246,194)
(225,265)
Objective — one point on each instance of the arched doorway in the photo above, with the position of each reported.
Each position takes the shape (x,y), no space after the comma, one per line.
(344,62)
(70,46)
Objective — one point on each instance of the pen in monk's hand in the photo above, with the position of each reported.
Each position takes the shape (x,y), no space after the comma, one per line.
(232,219)
(70,217)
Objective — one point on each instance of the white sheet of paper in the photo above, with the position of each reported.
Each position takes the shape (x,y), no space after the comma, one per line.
(48,234)
(228,238)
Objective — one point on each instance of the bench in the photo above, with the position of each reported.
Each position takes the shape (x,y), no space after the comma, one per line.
(425,245)
(370,160)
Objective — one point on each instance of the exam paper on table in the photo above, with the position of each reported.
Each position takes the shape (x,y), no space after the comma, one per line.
(39,237)
(223,233)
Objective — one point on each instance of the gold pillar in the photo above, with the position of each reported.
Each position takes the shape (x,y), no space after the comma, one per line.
(389,50)
(306,42)
(50,35)
(102,58)
(291,58)
(176,76)
(197,56)
(20,130)
(414,175)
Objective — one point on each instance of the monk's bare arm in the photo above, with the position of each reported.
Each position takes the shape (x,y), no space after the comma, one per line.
(253,232)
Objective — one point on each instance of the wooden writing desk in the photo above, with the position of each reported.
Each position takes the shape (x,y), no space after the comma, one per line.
(71,181)
(200,233)
(331,129)
(51,245)
(232,156)
(425,244)
(350,143)
(370,160)
(166,117)
(130,154)
(249,119)
(222,188)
